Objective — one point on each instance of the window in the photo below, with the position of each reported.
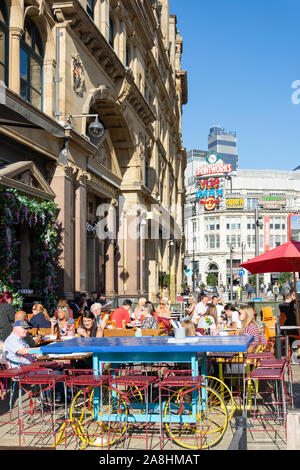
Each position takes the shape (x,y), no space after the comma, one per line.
(212,241)
(90,8)
(31,58)
(3,44)
(233,223)
(111,32)
(212,224)
(252,203)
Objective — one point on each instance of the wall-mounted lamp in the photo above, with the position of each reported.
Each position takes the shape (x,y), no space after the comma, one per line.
(95,129)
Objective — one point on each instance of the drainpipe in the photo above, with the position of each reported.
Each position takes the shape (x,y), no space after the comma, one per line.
(57,78)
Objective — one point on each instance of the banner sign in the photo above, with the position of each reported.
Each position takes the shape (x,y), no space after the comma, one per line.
(216,169)
(267,232)
(272,202)
(235,203)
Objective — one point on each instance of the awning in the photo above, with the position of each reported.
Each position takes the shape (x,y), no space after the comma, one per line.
(14,111)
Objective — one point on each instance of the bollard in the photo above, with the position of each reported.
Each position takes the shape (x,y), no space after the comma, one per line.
(239,441)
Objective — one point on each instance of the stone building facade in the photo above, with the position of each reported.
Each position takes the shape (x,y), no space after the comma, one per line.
(120,60)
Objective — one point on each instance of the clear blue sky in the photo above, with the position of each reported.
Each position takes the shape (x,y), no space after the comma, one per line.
(241,58)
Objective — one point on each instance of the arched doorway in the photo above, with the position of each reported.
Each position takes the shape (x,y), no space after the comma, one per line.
(213,270)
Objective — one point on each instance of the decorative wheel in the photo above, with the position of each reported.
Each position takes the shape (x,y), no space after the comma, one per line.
(201,417)
(99,433)
(224,391)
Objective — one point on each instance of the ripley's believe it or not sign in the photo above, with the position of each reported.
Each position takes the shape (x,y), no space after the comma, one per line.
(210,190)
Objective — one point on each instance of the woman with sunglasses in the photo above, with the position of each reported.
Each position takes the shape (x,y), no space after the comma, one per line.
(163,310)
(40,317)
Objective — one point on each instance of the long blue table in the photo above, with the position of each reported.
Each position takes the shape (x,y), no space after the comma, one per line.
(121,350)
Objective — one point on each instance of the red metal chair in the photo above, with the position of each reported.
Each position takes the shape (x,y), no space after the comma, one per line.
(38,384)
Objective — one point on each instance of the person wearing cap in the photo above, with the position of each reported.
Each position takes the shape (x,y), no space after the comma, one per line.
(16,349)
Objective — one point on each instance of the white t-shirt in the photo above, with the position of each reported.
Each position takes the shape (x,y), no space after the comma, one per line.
(199,310)
(235,318)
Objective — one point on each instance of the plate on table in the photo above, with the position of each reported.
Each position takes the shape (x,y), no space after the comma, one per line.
(66,337)
(49,337)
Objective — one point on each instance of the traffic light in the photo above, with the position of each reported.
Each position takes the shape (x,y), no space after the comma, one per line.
(258,219)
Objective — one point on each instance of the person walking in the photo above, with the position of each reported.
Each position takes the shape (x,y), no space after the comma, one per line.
(276,290)
(285,290)
(249,291)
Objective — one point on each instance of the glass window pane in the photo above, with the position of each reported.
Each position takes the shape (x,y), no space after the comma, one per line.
(23,65)
(36,99)
(35,74)
(2,46)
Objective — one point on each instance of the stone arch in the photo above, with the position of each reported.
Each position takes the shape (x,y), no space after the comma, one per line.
(103,101)
(38,14)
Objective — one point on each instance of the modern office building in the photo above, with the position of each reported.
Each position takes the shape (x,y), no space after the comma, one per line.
(223,142)
(209,233)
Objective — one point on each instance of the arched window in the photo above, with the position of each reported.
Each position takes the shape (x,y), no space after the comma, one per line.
(111,32)
(31,57)
(3,43)
(90,8)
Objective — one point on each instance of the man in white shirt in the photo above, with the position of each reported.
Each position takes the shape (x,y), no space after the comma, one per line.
(219,306)
(200,309)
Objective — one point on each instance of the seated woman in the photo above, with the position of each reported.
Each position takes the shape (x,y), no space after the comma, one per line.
(40,317)
(250,327)
(63,322)
(232,316)
(210,319)
(149,322)
(138,311)
(89,328)
(63,303)
(190,309)
(163,310)
(189,328)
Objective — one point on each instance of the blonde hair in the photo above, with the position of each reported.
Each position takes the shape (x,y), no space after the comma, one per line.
(191,298)
(139,305)
(213,312)
(62,303)
(189,327)
(249,318)
(41,308)
(66,312)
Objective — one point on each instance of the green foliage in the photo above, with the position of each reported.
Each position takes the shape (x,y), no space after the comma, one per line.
(166,280)
(211,280)
(284,277)
(40,215)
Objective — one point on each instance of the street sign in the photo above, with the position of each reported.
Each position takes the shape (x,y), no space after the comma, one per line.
(241,272)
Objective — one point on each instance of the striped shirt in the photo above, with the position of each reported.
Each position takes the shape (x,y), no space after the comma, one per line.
(252,329)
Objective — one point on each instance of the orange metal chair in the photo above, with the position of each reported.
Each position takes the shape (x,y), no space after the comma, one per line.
(267,314)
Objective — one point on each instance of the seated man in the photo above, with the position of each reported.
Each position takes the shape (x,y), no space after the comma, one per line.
(122,313)
(21,315)
(16,349)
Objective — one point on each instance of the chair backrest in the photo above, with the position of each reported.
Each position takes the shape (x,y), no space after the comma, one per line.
(270,328)
(43,331)
(153,332)
(267,313)
(108,332)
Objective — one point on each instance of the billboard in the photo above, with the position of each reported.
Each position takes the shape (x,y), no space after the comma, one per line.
(294,227)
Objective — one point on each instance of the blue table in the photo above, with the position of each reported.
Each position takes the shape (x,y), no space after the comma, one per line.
(152,350)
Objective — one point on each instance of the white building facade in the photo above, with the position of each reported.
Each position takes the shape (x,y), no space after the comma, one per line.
(209,233)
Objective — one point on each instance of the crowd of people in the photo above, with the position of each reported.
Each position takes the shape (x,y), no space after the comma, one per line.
(85,316)
(213,315)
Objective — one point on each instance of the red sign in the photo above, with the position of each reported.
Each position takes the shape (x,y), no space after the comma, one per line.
(267,232)
(216,169)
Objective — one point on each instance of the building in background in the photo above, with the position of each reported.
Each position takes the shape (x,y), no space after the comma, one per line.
(121,61)
(210,233)
(225,143)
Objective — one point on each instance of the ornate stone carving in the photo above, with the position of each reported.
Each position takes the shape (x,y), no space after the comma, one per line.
(78,75)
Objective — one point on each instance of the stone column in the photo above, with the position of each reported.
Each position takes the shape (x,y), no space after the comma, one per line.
(80,232)
(110,290)
(63,188)
(104,18)
(15,35)
(133,257)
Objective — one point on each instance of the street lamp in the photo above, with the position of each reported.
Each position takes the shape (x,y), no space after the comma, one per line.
(258,224)
(231,248)
(193,261)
